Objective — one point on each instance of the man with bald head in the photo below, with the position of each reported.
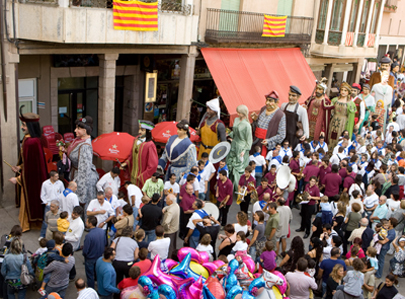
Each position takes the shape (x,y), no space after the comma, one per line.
(83,292)
(68,198)
(358,232)
(170,223)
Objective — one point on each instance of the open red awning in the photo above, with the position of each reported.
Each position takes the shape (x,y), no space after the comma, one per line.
(244,76)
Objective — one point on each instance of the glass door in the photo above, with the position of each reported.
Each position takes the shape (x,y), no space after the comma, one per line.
(70,107)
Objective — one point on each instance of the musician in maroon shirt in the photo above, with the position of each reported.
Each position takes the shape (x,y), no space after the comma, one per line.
(342,171)
(186,209)
(311,170)
(309,208)
(349,179)
(324,169)
(332,182)
(295,170)
(244,182)
(263,188)
(224,195)
(271,176)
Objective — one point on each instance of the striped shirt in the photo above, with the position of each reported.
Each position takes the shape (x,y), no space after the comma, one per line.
(87,293)
(263,122)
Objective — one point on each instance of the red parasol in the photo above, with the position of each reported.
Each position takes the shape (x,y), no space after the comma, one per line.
(113,146)
(162,132)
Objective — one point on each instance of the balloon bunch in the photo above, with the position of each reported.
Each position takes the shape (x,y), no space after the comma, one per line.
(194,277)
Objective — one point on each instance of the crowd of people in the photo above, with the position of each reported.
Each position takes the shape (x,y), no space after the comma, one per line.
(344,157)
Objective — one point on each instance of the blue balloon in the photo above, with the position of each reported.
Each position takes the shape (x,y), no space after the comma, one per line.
(167,291)
(207,293)
(145,281)
(257,283)
(233,266)
(235,290)
(183,269)
(230,282)
(247,295)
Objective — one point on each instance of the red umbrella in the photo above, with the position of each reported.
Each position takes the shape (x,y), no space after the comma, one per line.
(113,146)
(162,132)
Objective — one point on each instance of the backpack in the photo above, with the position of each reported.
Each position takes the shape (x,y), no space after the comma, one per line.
(41,264)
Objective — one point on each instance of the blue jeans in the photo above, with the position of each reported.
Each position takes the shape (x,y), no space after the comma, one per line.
(135,214)
(258,178)
(150,235)
(193,241)
(44,224)
(201,196)
(20,293)
(252,252)
(90,268)
(323,288)
(381,260)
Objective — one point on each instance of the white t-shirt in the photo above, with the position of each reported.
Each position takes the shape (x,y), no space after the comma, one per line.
(67,203)
(159,247)
(206,248)
(108,181)
(370,201)
(203,178)
(133,190)
(259,160)
(114,203)
(175,187)
(240,246)
(392,204)
(209,169)
(94,206)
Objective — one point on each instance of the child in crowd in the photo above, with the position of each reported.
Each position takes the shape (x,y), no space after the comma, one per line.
(139,238)
(59,238)
(268,257)
(354,279)
(326,210)
(354,251)
(380,234)
(42,247)
(63,223)
(205,246)
(144,263)
(132,280)
(241,246)
(371,254)
(311,270)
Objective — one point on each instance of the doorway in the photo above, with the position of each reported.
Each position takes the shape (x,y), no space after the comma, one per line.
(77,98)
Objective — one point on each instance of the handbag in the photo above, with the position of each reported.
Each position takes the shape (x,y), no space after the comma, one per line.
(25,277)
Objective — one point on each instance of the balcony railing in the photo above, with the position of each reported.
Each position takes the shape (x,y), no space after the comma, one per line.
(167,6)
(226,26)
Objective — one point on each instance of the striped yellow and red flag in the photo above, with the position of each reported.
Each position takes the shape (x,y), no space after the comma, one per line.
(135,15)
(274,26)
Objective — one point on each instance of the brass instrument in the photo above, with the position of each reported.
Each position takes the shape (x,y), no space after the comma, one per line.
(241,195)
(302,197)
(244,190)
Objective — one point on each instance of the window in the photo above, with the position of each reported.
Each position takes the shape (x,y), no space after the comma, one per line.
(353,16)
(374,19)
(337,15)
(364,16)
(323,11)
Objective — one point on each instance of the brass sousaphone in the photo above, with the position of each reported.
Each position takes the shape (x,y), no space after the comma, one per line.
(285,180)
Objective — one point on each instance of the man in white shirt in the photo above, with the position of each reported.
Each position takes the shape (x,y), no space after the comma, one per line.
(322,144)
(209,171)
(202,180)
(110,179)
(401,120)
(260,161)
(134,199)
(83,292)
(393,124)
(275,160)
(160,246)
(68,198)
(51,189)
(113,200)
(76,228)
(344,144)
(285,150)
(101,209)
(196,183)
(336,158)
(193,235)
(171,187)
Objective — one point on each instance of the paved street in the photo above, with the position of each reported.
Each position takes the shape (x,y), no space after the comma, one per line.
(9,216)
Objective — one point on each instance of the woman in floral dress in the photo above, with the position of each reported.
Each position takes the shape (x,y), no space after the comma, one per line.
(238,157)
(343,111)
(80,153)
(397,262)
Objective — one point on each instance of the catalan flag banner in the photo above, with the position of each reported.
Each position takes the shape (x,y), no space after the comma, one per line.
(135,15)
(274,26)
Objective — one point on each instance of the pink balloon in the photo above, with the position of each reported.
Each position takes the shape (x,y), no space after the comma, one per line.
(250,264)
(171,263)
(158,277)
(195,255)
(211,267)
(195,290)
(219,263)
(204,257)
(282,288)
